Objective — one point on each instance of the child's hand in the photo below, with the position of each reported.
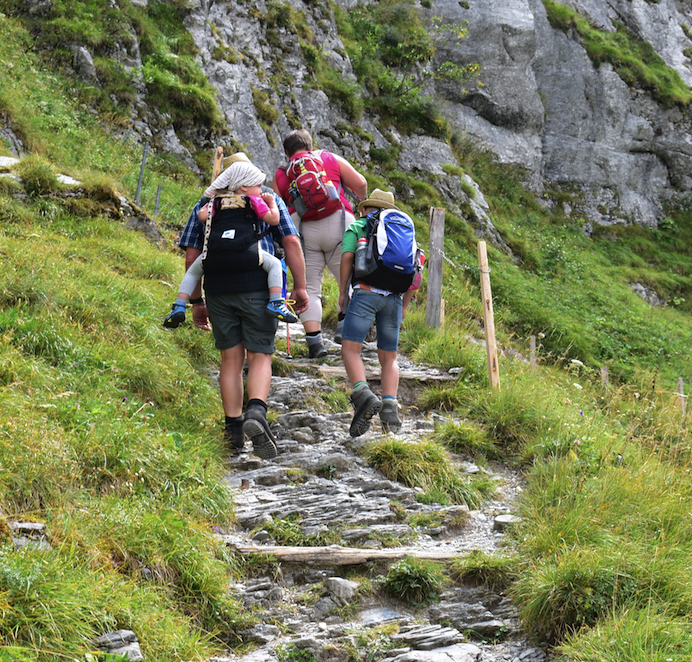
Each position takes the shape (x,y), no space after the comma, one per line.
(269,199)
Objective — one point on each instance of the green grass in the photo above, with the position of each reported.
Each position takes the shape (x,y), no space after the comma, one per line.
(414,580)
(174,79)
(496,572)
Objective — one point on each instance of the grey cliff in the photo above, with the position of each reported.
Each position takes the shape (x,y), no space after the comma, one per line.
(542,105)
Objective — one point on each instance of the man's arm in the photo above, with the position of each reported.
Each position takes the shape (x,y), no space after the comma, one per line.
(200,317)
(296,263)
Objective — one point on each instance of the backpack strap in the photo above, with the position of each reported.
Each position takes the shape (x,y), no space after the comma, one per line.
(371,228)
(207,228)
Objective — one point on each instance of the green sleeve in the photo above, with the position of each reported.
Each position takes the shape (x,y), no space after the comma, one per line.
(353,233)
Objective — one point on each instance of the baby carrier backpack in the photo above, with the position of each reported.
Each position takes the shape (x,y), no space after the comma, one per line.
(392,257)
(231,237)
(309,188)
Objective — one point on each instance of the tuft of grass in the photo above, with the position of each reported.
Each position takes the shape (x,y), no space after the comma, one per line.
(288,531)
(337,400)
(58,605)
(267,114)
(426,465)
(465,437)
(294,654)
(496,572)
(631,634)
(418,581)
(38,176)
(576,592)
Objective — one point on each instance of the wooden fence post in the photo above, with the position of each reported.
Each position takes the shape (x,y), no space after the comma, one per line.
(433,315)
(604,375)
(488,316)
(141,172)
(681,393)
(158,200)
(532,361)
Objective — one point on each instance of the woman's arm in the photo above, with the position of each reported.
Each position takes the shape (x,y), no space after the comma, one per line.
(351,178)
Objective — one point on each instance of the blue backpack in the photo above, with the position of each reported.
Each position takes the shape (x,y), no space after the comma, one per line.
(393,257)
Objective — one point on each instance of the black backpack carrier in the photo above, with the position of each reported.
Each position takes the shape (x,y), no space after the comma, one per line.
(231,247)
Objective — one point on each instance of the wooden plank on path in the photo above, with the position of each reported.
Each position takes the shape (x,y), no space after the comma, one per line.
(337,555)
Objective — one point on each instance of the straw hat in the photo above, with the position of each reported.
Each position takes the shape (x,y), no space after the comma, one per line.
(379,199)
(234,158)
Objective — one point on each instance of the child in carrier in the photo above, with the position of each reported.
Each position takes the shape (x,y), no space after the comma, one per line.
(244,180)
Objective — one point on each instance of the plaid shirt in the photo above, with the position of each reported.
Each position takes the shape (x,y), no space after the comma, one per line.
(193,233)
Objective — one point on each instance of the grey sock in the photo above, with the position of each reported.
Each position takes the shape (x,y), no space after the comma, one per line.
(314,340)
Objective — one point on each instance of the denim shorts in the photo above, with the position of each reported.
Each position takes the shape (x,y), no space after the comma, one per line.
(366,307)
(242,318)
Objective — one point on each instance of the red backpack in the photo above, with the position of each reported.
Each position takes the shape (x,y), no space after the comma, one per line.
(309,188)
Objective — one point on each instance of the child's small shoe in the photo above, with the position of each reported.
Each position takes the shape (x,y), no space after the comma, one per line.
(176,317)
(278,308)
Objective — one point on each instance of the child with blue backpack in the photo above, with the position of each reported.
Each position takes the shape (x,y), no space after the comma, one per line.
(381,296)
(245,181)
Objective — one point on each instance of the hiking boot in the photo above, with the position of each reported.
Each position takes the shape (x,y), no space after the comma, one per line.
(256,427)
(339,331)
(317,351)
(176,317)
(278,308)
(389,416)
(234,439)
(366,404)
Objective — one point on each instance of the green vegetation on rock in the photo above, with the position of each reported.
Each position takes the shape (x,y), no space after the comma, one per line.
(634,60)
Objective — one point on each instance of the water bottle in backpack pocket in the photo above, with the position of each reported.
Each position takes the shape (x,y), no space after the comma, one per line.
(360,264)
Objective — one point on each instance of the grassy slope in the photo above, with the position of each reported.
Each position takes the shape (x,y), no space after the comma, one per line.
(109,428)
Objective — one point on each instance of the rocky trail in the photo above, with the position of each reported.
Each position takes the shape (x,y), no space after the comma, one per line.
(321,483)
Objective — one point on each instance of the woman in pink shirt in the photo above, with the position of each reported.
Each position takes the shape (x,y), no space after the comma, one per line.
(322,229)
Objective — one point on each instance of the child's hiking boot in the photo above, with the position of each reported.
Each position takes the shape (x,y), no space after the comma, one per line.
(366,404)
(234,438)
(176,317)
(389,415)
(278,308)
(257,429)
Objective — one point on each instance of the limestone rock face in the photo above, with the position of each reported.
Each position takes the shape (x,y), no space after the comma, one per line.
(542,105)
